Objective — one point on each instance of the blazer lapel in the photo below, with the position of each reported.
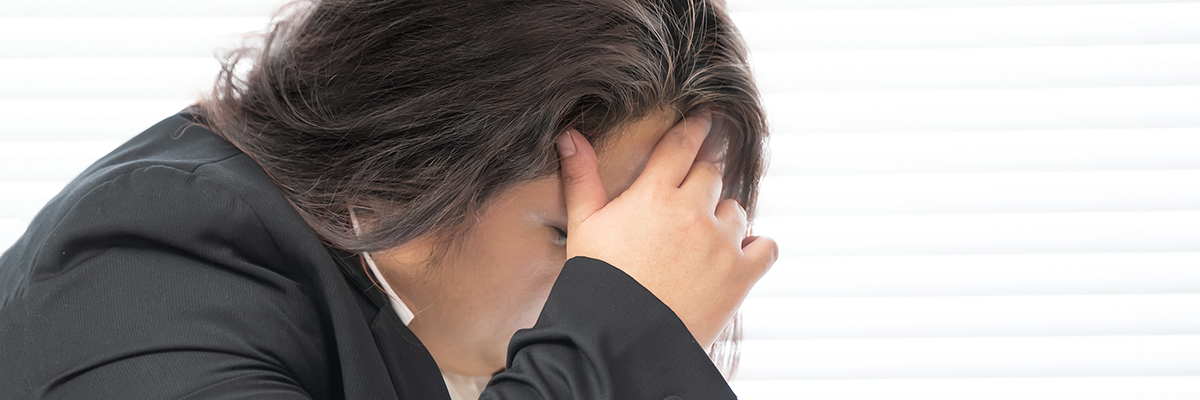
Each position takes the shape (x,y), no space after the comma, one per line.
(414,373)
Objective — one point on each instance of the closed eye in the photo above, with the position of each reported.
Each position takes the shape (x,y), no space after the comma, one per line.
(559,236)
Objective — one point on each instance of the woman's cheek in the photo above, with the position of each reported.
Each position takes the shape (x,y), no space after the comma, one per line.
(539,291)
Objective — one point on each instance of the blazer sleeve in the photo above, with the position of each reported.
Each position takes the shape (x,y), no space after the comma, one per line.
(602,335)
(153,285)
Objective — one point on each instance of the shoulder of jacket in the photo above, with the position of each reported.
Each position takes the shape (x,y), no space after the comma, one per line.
(176,185)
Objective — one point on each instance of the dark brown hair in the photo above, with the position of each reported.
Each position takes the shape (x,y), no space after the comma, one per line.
(414,112)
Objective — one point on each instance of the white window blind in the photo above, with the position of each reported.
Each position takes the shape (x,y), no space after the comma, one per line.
(978,200)
(975,199)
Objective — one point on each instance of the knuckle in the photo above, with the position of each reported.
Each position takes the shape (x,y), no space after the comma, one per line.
(708,167)
(739,212)
(576,176)
(692,217)
(572,180)
(774,248)
(648,194)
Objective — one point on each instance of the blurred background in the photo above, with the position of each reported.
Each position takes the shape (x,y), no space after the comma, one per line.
(975,199)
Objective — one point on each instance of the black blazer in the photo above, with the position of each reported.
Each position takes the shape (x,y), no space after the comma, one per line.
(174,268)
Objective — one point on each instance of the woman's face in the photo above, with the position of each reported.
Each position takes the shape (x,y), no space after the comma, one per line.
(469,305)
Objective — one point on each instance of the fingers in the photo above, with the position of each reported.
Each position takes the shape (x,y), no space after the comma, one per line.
(732,218)
(580,177)
(672,157)
(717,141)
(761,252)
(704,181)
(707,172)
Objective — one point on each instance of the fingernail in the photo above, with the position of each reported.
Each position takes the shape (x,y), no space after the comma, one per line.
(566,146)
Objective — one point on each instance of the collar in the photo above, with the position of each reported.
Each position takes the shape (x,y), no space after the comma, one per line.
(406,315)
(414,373)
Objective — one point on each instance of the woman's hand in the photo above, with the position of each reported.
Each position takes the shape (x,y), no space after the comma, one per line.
(671,231)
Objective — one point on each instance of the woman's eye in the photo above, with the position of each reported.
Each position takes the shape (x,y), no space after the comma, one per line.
(560,236)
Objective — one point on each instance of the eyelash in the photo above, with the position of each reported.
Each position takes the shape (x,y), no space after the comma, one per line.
(561,238)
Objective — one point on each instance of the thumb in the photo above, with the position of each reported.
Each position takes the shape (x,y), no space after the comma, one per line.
(580,177)
(761,253)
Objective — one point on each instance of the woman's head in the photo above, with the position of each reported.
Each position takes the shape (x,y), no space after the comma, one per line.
(416,112)
(434,120)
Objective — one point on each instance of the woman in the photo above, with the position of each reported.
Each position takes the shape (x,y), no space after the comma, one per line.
(380,208)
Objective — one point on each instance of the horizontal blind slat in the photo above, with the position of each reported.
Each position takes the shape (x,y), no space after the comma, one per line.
(920,358)
(258,8)
(989,68)
(94,119)
(107,78)
(130,27)
(1057,388)
(122,36)
(971,27)
(981,275)
(805,5)
(1158,231)
(985,151)
(968,316)
(139,8)
(1032,192)
(56,161)
(950,110)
